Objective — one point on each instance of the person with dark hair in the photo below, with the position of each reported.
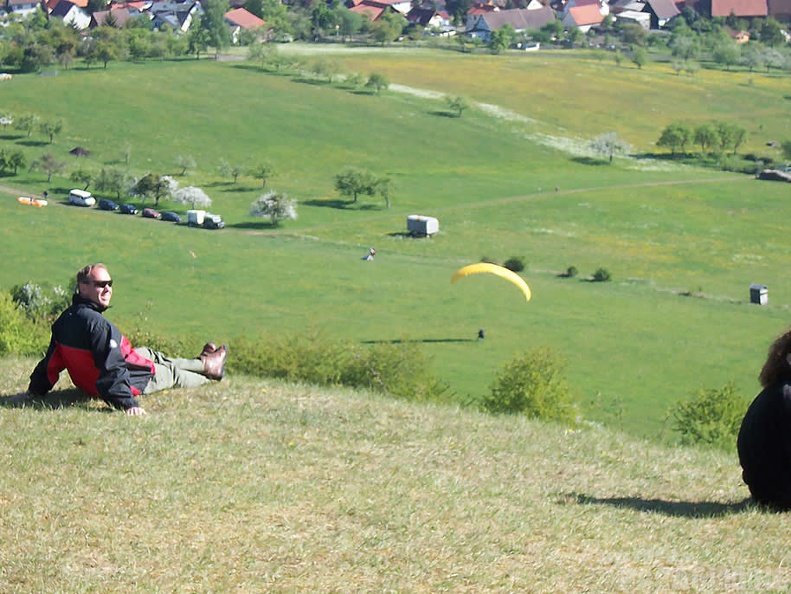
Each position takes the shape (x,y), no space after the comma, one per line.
(764,441)
(100,360)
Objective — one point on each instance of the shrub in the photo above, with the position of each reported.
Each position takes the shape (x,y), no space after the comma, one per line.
(711,417)
(571,272)
(310,358)
(515,264)
(532,384)
(399,369)
(41,302)
(20,335)
(601,275)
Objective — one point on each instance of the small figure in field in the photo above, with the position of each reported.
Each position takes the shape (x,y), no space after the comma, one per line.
(764,441)
(480,334)
(100,360)
(370,255)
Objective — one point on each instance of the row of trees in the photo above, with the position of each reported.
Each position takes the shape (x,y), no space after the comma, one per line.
(715,136)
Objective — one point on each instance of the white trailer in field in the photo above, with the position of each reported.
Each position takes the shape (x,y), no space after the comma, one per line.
(195,218)
(421,226)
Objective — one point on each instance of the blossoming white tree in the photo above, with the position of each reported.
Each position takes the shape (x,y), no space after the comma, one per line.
(276,206)
(193,196)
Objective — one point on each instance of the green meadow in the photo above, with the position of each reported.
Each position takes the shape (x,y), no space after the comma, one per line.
(683,244)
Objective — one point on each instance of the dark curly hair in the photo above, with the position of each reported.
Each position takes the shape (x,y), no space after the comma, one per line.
(776,369)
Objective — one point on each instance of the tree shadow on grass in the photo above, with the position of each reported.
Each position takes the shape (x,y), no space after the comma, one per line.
(421,340)
(441,113)
(679,509)
(258,225)
(341,205)
(54,400)
(231,187)
(590,161)
(338,204)
(33,143)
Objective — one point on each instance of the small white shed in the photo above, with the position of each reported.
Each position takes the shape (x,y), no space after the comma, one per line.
(422,226)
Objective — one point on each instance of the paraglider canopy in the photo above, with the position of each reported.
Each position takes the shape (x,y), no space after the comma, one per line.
(500,271)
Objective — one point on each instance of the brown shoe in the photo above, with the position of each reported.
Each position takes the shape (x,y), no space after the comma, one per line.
(208,349)
(214,363)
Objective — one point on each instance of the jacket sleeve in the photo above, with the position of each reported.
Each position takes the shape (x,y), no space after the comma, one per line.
(113,384)
(46,372)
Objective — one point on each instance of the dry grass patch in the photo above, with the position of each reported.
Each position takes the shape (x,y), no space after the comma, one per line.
(251,485)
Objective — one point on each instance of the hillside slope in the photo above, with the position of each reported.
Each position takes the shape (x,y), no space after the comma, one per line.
(254,486)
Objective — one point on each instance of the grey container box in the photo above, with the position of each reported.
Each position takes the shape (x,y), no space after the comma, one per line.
(759,294)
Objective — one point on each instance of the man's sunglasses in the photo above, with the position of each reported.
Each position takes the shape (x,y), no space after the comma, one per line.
(100,284)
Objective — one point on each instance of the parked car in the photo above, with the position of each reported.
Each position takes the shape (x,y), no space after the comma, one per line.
(150,213)
(171,217)
(130,209)
(81,198)
(213,221)
(105,204)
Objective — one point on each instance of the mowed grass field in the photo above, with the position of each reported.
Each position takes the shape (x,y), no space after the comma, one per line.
(634,345)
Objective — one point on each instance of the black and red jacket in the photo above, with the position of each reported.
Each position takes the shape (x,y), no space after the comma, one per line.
(99,359)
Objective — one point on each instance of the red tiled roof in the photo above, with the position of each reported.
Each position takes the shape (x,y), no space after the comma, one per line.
(370,10)
(740,8)
(588,14)
(244,19)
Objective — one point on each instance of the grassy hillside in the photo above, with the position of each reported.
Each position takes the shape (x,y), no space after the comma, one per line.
(634,346)
(252,486)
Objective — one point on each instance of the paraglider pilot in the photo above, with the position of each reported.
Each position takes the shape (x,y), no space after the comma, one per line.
(764,442)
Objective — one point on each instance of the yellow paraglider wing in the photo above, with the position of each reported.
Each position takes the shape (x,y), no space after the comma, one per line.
(493,269)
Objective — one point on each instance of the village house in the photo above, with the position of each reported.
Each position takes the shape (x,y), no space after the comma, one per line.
(177,15)
(521,19)
(429,18)
(22,7)
(72,13)
(240,20)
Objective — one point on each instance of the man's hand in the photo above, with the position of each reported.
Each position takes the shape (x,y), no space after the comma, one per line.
(135,411)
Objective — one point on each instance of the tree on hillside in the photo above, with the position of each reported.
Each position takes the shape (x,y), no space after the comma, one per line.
(377,82)
(193,196)
(706,136)
(457,104)
(229,170)
(388,28)
(16,160)
(112,180)
(26,123)
(263,171)
(82,177)
(48,164)
(730,135)
(275,206)
(155,186)
(384,187)
(11,160)
(609,144)
(198,39)
(185,162)
(213,22)
(727,53)
(675,136)
(771,33)
(501,39)
(640,57)
(50,128)
(353,181)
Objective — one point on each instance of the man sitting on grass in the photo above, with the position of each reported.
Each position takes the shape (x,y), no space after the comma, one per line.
(101,361)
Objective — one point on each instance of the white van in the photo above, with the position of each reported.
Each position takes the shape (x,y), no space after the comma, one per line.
(81,198)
